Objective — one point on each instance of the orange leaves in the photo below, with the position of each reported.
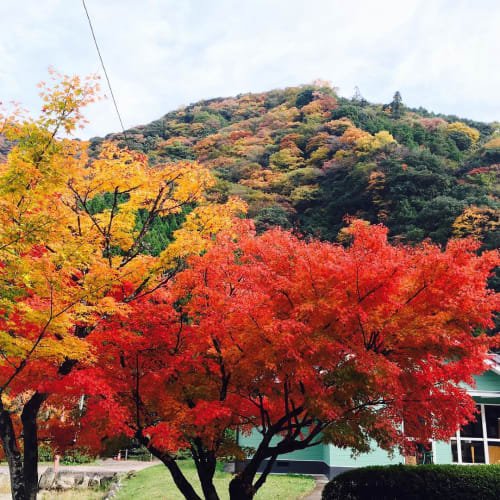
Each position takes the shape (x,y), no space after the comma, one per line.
(352,135)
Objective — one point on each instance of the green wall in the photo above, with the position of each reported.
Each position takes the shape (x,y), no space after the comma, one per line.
(488,381)
(330,455)
(316,453)
(339,457)
(442,453)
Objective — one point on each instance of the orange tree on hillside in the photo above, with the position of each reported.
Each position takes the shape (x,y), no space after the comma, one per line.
(301,341)
(60,257)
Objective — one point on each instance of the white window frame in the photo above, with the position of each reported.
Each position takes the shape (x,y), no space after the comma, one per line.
(458,438)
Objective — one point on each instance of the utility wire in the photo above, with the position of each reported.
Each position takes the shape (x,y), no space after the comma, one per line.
(103,66)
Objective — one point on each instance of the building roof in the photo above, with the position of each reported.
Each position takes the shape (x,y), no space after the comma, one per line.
(494,363)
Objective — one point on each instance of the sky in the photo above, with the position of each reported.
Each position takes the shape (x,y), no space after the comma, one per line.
(443,55)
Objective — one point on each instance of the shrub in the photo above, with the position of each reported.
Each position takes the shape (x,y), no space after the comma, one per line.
(76,457)
(45,453)
(430,482)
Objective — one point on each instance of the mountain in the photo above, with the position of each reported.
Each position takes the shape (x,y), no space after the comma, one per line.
(303,157)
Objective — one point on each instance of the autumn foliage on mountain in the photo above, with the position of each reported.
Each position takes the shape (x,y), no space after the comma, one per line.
(305,157)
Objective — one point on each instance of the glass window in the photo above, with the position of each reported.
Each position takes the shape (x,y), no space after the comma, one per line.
(494,452)
(454,453)
(492,414)
(473,429)
(472,451)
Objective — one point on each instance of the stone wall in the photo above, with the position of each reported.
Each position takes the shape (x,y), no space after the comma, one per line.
(68,480)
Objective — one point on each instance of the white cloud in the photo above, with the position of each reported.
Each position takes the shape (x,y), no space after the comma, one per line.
(161,54)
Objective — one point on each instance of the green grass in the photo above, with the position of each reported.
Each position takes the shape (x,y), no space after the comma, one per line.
(155,483)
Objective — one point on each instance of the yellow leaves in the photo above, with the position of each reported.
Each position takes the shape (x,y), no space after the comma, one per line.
(122,223)
(319,156)
(476,221)
(12,346)
(133,184)
(285,159)
(368,144)
(185,181)
(472,133)
(64,100)
(363,143)
(114,169)
(200,226)
(67,347)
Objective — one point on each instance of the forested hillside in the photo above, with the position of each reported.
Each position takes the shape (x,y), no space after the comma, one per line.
(304,157)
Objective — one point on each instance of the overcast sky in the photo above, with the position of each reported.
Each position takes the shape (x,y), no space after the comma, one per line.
(160,54)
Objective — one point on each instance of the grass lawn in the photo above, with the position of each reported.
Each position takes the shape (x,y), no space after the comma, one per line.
(83,494)
(155,483)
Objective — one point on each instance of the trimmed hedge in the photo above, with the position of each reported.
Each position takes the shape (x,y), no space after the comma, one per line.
(429,482)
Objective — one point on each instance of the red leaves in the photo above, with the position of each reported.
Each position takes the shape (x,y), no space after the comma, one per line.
(260,328)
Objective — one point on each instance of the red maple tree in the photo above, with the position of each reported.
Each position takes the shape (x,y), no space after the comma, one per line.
(302,341)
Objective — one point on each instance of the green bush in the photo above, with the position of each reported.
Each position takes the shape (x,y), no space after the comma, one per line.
(429,482)
(77,456)
(45,453)
(142,454)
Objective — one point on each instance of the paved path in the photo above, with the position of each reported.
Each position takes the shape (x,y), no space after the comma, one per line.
(316,493)
(100,466)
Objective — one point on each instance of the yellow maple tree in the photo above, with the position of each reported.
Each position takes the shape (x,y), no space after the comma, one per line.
(62,260)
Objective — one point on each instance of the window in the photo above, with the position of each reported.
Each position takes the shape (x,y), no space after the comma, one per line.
(479,441)
(473,429)
(472,452)
(492,414)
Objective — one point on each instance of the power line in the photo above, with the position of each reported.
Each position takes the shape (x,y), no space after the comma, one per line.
(103,66)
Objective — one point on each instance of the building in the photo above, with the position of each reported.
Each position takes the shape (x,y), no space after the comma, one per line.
(477,443)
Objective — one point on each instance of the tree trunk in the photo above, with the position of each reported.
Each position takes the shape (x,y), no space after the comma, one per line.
(206,463)
(179,479)
(30,435)
(12,454)
(207,486)
(241,486)
(240,489)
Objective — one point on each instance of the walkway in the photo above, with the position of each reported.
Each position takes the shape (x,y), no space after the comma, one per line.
(107,465)
(316,493)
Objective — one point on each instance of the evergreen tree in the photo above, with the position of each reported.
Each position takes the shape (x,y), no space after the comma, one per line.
(397,105)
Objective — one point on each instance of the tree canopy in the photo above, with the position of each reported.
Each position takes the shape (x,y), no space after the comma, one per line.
(303,341)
